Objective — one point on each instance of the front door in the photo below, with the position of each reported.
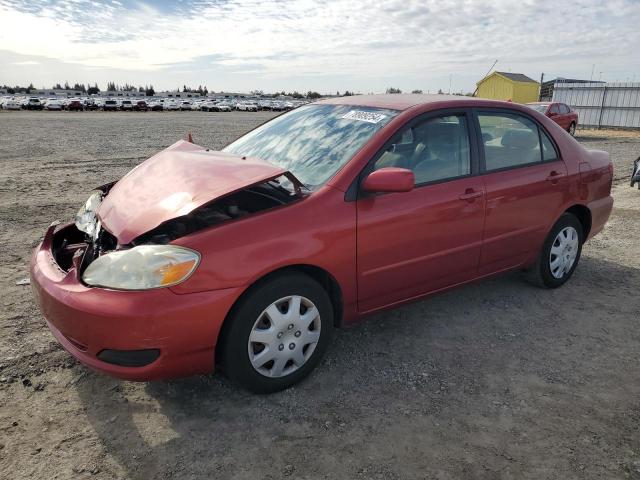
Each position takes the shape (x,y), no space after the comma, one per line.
(421,241)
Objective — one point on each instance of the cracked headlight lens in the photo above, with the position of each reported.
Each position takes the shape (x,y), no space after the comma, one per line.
(142,267)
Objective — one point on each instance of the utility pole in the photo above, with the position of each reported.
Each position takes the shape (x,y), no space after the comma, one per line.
(540,90)
(476,90)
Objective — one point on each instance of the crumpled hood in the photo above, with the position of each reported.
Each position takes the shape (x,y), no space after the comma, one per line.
(173,183)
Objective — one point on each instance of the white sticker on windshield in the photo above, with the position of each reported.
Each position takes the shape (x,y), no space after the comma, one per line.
(369,117)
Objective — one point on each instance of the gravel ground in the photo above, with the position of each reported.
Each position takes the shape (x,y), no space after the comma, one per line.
(497,379)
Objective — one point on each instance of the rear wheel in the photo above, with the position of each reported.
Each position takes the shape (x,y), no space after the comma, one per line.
(560,253)
(572,129)
(278,333)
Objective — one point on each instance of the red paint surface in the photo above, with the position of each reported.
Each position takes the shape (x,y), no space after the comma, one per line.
(389,179)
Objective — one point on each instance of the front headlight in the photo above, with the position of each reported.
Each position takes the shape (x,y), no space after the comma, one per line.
(142,267)
(86,220)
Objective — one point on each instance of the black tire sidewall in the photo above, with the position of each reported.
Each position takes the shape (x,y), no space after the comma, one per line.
(234,355)
(566,220)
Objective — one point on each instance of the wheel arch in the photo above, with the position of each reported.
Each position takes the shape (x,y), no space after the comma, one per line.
(583,214)
(322,276)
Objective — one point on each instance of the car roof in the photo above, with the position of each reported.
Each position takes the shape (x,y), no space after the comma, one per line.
(397,101)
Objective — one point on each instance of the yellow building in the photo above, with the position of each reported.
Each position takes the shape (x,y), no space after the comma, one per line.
(508,86)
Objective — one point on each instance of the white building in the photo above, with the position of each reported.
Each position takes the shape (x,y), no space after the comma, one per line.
(120,93)
(55,92)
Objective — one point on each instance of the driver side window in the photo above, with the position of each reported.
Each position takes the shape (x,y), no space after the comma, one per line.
(435,149)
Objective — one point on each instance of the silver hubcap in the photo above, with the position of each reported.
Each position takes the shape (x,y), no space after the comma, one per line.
(564,251)
(572,129)
(284,336)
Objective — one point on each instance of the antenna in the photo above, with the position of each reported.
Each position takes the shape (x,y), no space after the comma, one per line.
(476,90)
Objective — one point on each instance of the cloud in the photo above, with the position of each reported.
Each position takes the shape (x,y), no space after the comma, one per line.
(254,44)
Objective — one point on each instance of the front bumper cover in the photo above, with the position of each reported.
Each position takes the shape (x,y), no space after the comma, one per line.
(87,321)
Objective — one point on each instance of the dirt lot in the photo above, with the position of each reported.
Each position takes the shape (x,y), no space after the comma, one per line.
(495,380)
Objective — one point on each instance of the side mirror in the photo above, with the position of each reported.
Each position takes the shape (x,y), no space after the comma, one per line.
(389,179)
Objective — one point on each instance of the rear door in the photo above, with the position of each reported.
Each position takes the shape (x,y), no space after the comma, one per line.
(525,182)
(416,242)
(553,112)
(565,115)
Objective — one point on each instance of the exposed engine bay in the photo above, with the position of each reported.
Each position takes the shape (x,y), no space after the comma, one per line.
(74,248)
(236,205)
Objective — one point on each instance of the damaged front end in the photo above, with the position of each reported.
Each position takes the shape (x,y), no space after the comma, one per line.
(77,244)
(242,203)
(122,235)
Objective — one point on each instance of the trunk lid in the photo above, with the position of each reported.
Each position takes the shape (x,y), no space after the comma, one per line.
(175,182)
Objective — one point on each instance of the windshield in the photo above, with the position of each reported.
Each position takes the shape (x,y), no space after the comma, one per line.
(313,142)
(540,107)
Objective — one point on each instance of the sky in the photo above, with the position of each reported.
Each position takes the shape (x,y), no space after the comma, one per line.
(322,45)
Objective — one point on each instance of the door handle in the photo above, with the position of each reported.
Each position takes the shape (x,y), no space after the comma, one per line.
(554,176)
(470,194)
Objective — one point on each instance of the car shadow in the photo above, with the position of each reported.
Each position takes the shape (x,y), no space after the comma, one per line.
(388,390)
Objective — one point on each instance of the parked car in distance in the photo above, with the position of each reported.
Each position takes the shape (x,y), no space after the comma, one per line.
(140,106)
(75,105)
(185,105)
(110,105)
(54,105)
(126,105)
(561,113)
(11,104)
(171,105)
(34,103)
(156,106)
(93,104)
(208,106)
(249,257)
(247,107)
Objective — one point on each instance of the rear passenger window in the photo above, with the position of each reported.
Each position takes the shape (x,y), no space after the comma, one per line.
(509,140)
(435,149)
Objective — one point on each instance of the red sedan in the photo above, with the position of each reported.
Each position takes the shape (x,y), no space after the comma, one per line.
(248,258)
(561,113)
(76,105)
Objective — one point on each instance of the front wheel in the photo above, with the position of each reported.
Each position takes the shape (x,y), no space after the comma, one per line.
(277,334)
(560,253)
(572,129)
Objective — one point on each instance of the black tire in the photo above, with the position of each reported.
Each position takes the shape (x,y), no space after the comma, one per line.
(572,129)
(234,354)
(540,273)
